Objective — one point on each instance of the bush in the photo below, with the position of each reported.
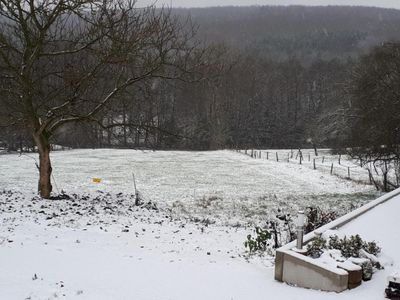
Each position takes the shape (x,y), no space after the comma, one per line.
(372,248)
(281,228)
(334,242)
(316,248)
(260,242)
(316,218)
(349,247)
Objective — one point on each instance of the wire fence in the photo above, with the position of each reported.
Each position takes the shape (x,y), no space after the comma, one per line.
(338,165)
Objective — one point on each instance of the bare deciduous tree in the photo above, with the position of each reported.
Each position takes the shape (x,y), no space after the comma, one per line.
(64,61)
(374,110)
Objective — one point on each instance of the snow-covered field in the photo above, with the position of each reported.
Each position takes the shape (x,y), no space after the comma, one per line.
(224,186)
(335,164)
(185,243)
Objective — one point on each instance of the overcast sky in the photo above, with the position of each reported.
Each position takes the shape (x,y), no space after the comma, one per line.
(206,3)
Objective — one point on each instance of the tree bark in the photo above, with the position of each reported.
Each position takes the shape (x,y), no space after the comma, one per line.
(315,149)
(45,169)
(385,182)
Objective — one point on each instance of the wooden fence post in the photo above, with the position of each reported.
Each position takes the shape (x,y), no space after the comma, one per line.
(314,164)
(348,172)
(267,155)
(323,159)
(332,169)
(277,158)
(371,180)
(340,157)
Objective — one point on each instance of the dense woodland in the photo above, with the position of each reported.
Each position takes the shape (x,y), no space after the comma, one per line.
(282,80)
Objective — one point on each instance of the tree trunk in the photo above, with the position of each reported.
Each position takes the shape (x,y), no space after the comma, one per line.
(125,134)
(385,182)
(45,168)
(315,149)
(385,178)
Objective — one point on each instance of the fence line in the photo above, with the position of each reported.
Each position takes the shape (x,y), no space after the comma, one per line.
(333,164)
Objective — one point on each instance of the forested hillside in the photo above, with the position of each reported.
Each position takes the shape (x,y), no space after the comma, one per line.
(307,33)
(279,78)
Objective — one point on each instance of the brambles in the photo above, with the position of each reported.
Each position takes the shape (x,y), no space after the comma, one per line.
(281,229)
(283,226)
(316,218)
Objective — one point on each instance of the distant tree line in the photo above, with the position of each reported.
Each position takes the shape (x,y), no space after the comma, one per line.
(253,102)
(283,84)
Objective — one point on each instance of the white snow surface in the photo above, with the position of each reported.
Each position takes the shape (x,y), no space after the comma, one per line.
(228,186)
(102,246)
(173,175)
(53,259)
(381,224)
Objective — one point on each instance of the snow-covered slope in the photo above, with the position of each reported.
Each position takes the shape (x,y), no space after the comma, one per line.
(200,184)
(114,250)
(99,245)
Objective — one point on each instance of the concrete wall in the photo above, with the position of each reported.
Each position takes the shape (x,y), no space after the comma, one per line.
(303,271)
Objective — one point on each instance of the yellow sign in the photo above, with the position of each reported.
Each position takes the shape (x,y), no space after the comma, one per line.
(97,180)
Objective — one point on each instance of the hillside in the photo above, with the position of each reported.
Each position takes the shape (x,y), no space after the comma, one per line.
(307,32)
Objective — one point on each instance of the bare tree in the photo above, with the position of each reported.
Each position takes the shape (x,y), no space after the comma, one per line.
(374,110)
(65,61)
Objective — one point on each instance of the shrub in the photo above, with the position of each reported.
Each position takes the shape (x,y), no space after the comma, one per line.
(349,247)
(334,242)
(372,248)
(316,218)
(316,248)
(260,242)
(281,228)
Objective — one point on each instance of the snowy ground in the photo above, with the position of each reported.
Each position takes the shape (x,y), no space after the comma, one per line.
(102,246)
(325,162)
(114,250)
(225,186)
(380,224)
